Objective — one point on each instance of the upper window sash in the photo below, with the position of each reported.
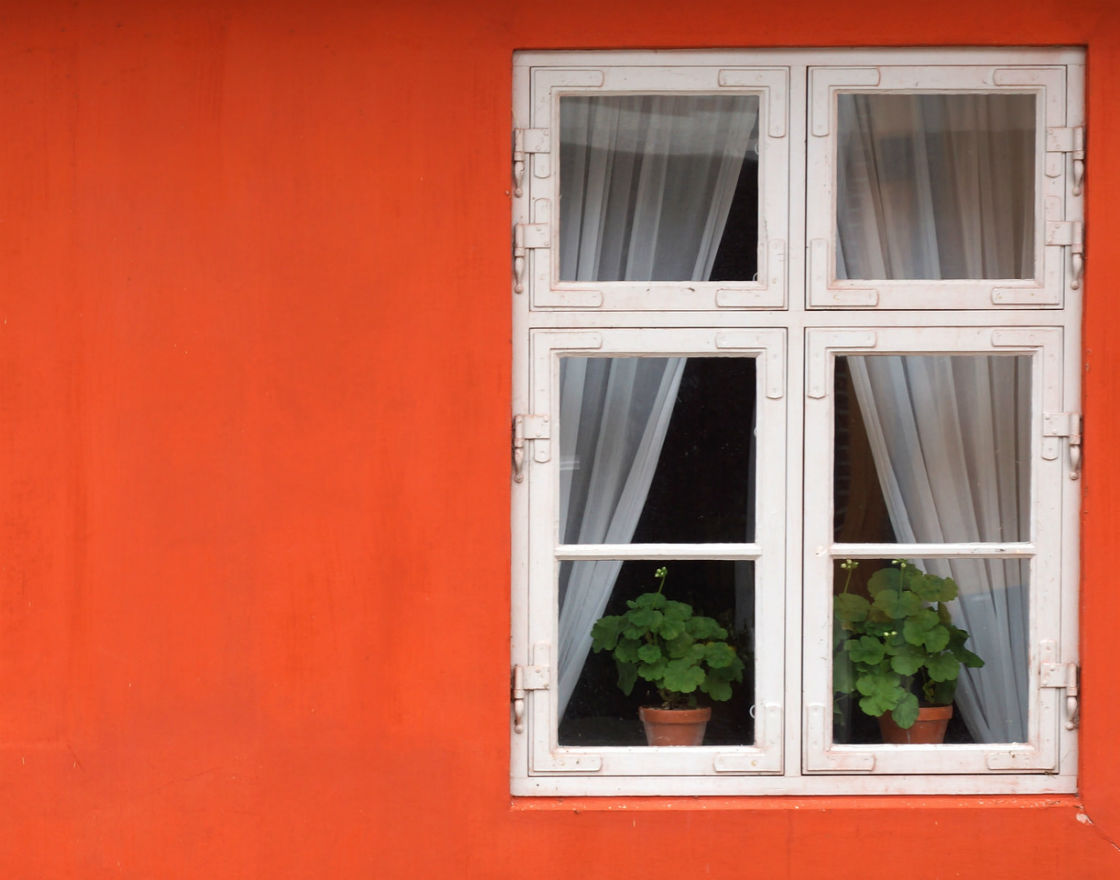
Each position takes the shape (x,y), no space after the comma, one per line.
(947,189)
(596,111)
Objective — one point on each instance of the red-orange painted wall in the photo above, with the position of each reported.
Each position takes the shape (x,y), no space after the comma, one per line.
(254,421)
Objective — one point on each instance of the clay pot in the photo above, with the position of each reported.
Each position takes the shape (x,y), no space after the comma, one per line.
(929,728)
(674,727)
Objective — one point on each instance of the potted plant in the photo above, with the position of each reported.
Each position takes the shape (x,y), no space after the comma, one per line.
(899,650)
(680,653)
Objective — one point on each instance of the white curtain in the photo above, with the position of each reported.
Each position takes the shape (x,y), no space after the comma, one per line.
(934,187)
(646,185)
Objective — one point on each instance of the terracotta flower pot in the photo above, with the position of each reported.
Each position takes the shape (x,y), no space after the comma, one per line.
(929,728)
(674,727)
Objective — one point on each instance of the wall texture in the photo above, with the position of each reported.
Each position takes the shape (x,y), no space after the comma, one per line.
(254,422)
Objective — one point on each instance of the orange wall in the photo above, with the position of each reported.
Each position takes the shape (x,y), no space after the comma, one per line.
(254,422)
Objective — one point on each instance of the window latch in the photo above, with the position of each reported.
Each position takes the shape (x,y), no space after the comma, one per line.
(526,140)
(1065,676)
(1068,140)
(524,679)
(1066,425)
(1071,234)
(527,427)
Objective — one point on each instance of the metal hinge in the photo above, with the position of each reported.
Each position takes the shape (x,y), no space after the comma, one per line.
(525,236)
(1068,425)
(1069,140)
(1065,676)
(527,427)
(1071,234)
(526,140)
(524,679)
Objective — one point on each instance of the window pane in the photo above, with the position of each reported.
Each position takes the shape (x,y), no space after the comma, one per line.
(889,646)
(657,450)
(597,712)
(932,448)
(935,186)
(658,188)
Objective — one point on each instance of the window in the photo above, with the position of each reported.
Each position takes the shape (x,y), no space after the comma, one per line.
(795,325)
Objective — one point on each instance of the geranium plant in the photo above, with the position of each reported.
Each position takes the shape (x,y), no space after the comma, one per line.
(661,641)
(900,648)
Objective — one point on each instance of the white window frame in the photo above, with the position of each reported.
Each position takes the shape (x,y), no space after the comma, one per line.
(1040,317)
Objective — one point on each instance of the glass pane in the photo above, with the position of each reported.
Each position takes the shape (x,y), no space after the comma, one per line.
(593,708)
(657,450)
(658,188)
(895,651)
(935,186)
(932,448)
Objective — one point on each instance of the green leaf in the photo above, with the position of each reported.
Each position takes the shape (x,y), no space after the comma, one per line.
(906,712)
(843,675)
(850,607)
(918,625)
(649,601)
(654,670)
(705,628)
(644,618)
(604,634)
(649,653)
(679,646)
(949,590)
(627,676)
(627,650)
(682,676)
(881,692)
(969,659)
(719,654)
(883,579)
(897,605)
(907,659)
(866,649)
(717,689)
(677,611)
(670,628)
(943,667)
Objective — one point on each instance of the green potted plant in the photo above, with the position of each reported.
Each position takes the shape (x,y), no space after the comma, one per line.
(680,653)
(899,650)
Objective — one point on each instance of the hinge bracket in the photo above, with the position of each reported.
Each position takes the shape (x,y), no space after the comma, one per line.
(1068,140)
(526,236)
(527,427)
(526,140)
(524,679)
(1064,676)
(1071,234)
(1068,425)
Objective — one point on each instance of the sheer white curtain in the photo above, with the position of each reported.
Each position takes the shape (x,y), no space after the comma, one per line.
(646,185)
(931,187)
